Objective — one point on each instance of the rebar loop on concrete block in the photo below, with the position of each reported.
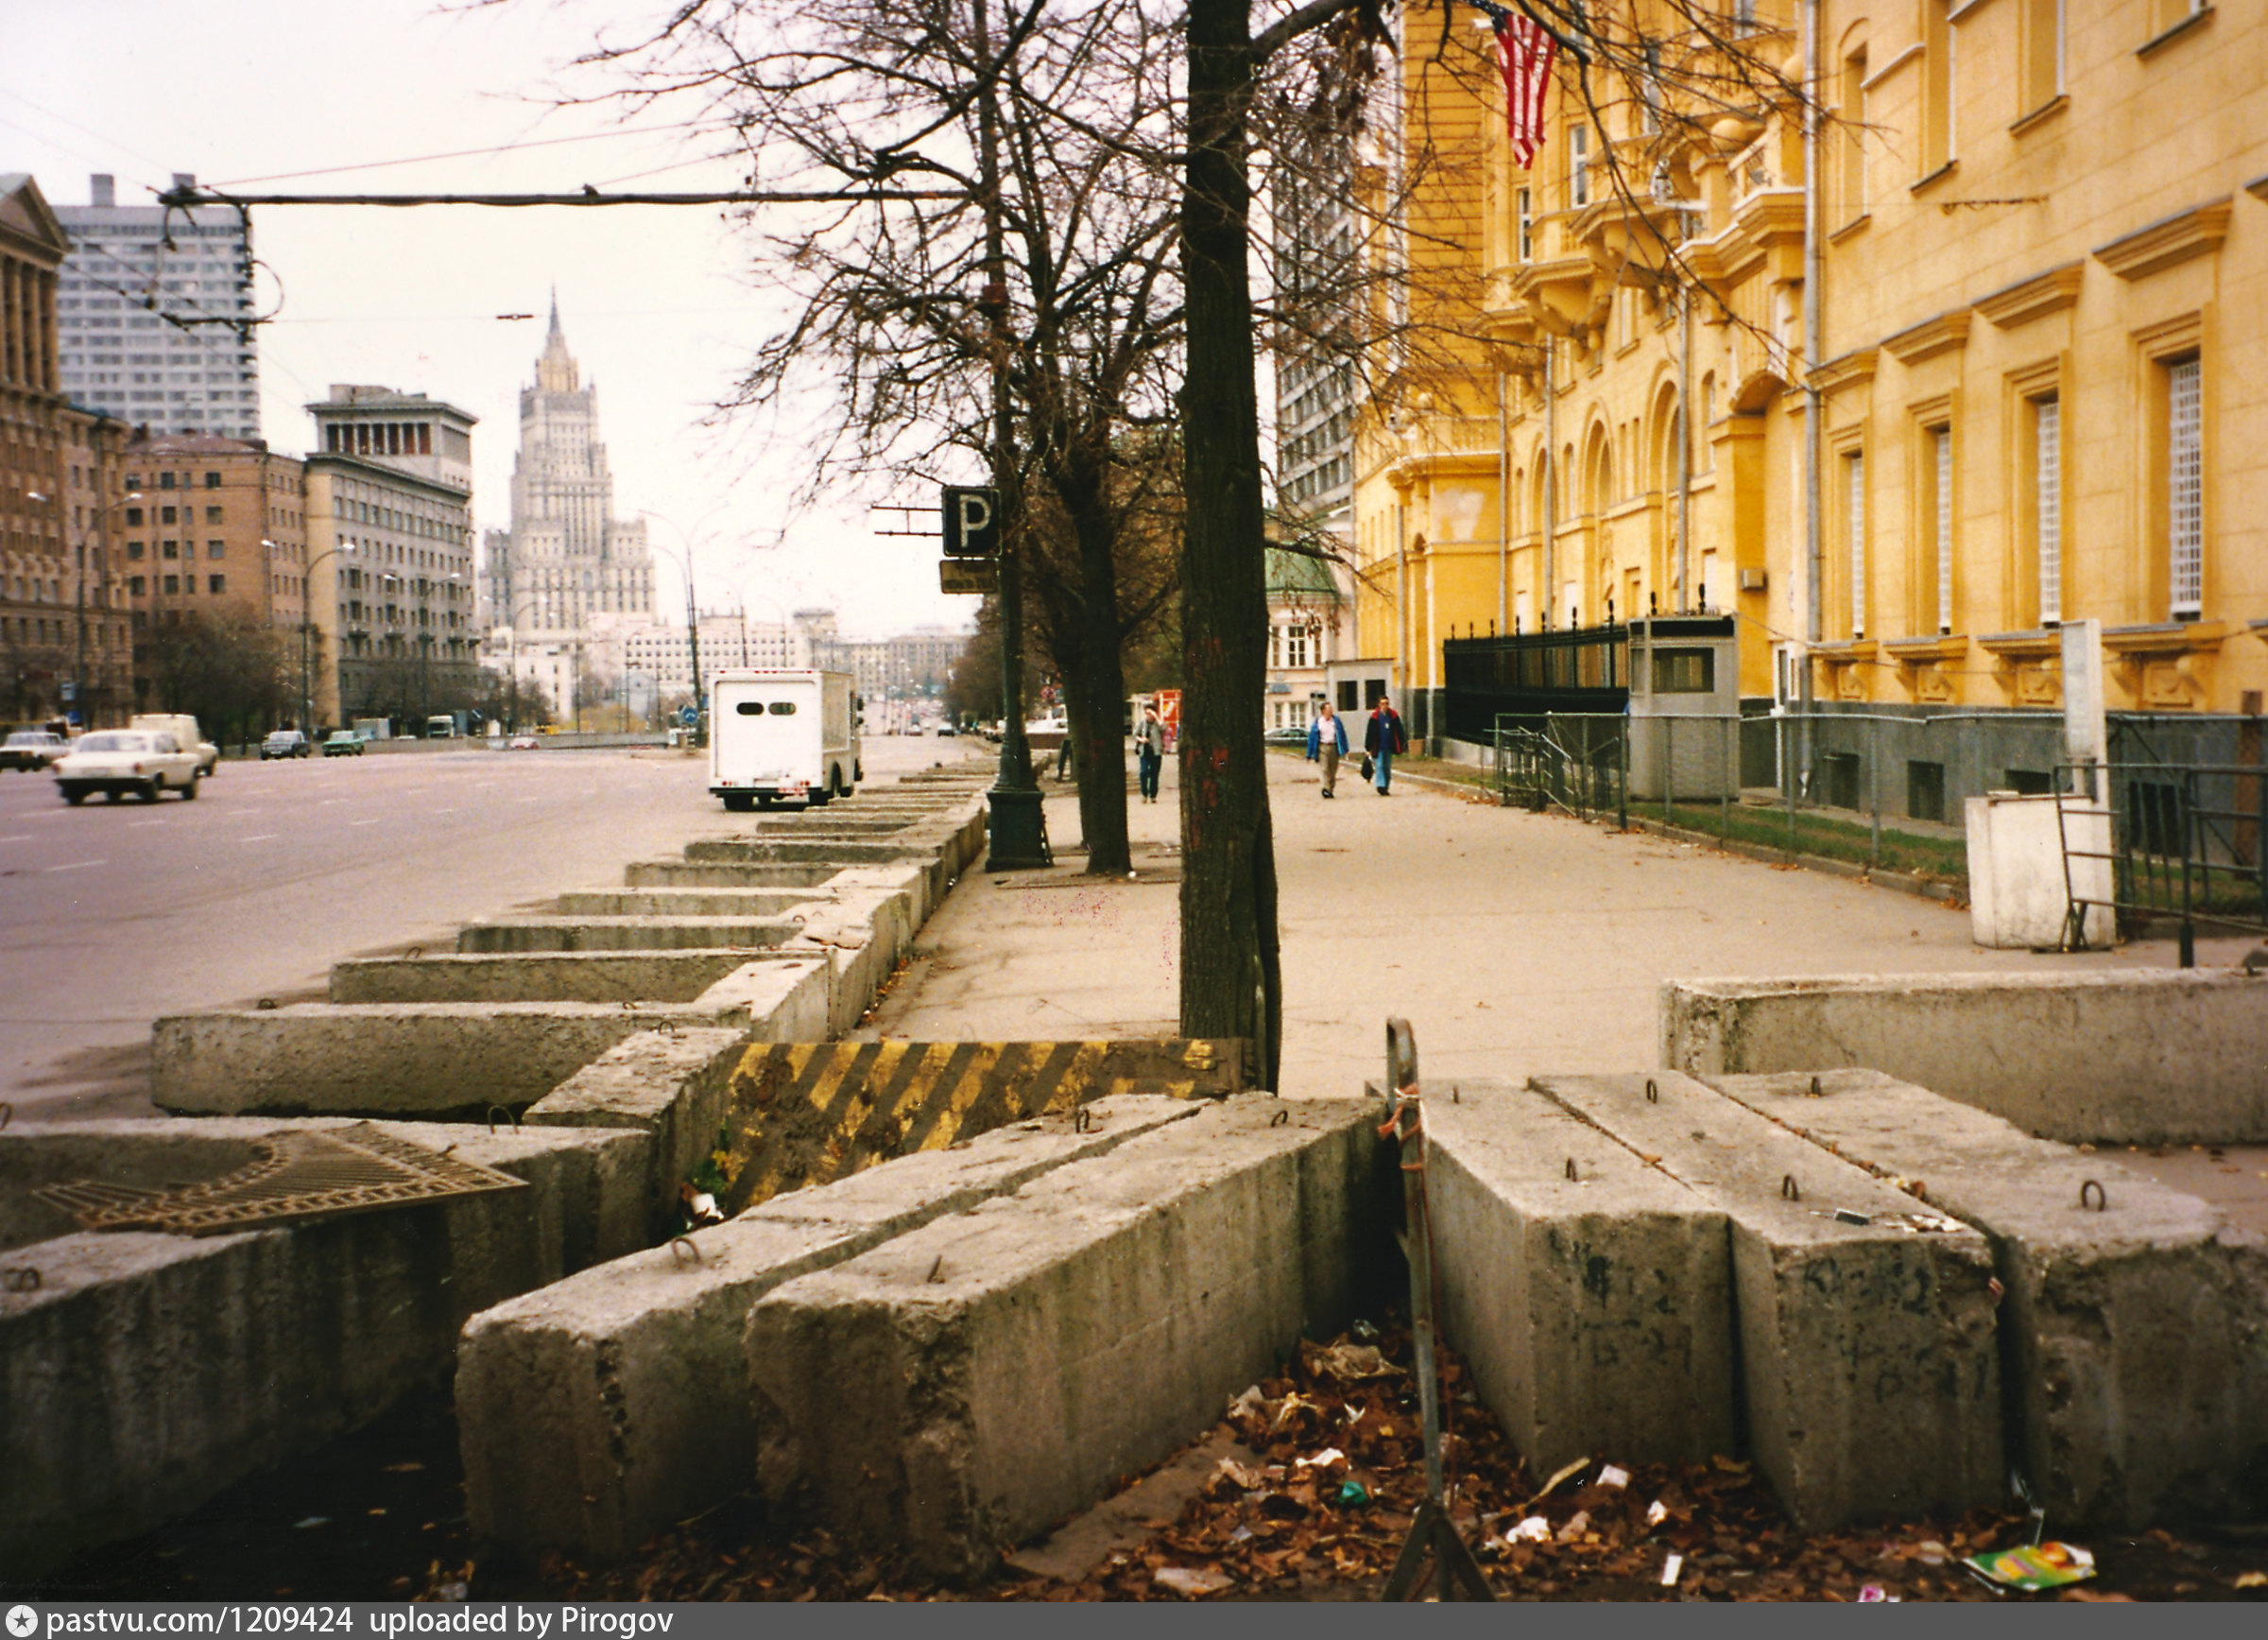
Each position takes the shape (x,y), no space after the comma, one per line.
(512,1116)
(2102,1195)
(1432,1530)
(20,1279)
(1789,1189)
(297,1175)
(687,1243)
(1653,1093)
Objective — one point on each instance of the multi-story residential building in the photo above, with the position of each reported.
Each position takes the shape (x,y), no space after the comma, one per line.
(389,568)
(65,642)
(154,312)
(566,560)
(2023,309)
(728,638)
(215,526)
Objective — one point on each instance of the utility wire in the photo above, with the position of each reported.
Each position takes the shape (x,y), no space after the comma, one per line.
(464,153)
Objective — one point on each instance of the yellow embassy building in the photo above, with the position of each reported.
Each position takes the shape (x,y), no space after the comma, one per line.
(2029,292)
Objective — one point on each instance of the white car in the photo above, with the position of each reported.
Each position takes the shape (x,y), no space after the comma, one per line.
(117,761)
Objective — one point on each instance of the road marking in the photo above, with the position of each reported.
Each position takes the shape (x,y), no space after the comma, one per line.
(140,825)
(80,866)
(362,822)
(26,838)
(329,802)
(444,811)
(263,837)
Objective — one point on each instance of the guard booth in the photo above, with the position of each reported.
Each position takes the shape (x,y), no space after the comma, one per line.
(1684,708)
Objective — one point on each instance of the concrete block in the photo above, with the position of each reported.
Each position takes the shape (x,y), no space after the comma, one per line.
(766,904)
(430,1060)
(979,1378)
(599,1410)
(1591,1294)
(673,1087)
(1869,1359)
(537,976)
(519,934)
(2136,1335)
(148,1372)
(684,873)
(2021,880)
(2137,1057)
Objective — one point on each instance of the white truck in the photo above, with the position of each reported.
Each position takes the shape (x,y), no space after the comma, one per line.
(774,735)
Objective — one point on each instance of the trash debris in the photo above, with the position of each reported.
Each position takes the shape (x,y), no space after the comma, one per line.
(1657,1512)
(1610,1475)
(1250,1480)
(1188,1584)
(1365,1331)
(1352,1495)
(1569,1472)
(1577,1523)
(1874,1595)
(310,1523)
(1534,1529)
(2033,1566)
(1930,1552)
(701,1207)
(1352,1363)
(1670,1568)
(1322,1460)
(2252,1580)
(1250,1401)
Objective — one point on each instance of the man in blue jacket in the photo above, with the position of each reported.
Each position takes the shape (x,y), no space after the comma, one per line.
(1382,740)
(1327,742)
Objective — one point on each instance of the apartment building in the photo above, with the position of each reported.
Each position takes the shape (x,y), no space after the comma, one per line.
(389,542)
(211,525)
(152,311)
(65,640)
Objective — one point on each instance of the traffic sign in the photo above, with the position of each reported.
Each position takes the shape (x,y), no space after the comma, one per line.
(688,715)
(971,523)
(968,575)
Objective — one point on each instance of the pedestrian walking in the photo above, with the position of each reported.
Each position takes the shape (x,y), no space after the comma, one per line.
(1327,744)
(1149,751)
(1382,738)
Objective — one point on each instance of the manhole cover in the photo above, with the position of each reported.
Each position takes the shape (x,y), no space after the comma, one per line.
(298,1175)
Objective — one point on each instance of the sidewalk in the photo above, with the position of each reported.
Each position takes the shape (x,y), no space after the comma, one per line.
(1516,944)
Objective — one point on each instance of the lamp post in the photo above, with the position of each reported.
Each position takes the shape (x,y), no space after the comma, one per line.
(307,633)
(693,623)
(78,661)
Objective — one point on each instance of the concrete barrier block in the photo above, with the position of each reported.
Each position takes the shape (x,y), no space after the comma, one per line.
(685,874)
(2135,1057)
(428,1059)
(766,904)
(519,934)
(978,1378)
(148,1372)
(1869,1359)
(595,1411)
(1589,1293)
(2138,1332)
(539,977)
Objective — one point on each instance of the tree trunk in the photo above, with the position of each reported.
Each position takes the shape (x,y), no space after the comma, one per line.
(1230,983)
(1098,698)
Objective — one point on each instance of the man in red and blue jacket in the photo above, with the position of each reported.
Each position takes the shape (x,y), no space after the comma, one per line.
(1382,738)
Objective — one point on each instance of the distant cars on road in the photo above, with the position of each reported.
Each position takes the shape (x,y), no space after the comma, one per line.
(32,750)
(117,761)
(286,743)
(524,743)
(342,743)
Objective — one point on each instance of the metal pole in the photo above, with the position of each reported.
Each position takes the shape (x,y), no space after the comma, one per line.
(2188,927)
(1019,824)
(1874,785)
(1669,770)
(1787,778)
(1728,776)
(1621,795)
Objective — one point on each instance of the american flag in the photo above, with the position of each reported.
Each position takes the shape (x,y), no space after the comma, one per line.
(1524,50)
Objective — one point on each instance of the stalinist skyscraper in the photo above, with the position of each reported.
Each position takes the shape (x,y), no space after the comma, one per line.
(567,563)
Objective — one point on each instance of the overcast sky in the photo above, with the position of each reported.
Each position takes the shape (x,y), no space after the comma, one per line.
(653,300)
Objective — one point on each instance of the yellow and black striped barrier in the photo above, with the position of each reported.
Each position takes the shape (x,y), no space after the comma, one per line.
(808,1113)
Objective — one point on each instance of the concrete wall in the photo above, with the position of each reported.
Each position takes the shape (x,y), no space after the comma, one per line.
(2134,1058)
(148,1372)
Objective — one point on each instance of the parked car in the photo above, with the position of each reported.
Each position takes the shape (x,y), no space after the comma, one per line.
(524,743)
(286,743)
(185,733)
(117,761)
(1287,735)
(342,743)
(32,750)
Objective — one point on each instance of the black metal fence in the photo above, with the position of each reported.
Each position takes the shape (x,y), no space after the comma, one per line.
(1530,676)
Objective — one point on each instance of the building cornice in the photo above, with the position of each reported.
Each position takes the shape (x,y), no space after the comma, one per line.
(2167,243)
(1930,338)
(2033,298)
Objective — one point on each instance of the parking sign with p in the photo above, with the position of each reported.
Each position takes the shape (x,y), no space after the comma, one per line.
(971,523)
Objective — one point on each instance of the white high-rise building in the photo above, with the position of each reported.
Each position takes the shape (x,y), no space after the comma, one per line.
(148,309)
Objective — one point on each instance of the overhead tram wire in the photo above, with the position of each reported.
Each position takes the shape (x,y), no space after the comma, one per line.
(185,198)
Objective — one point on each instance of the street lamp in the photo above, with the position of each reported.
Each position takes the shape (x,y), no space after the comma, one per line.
(307,630)
(692,619)
(78,663)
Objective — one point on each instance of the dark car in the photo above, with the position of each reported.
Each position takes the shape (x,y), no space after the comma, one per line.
(32,750)
(286,743)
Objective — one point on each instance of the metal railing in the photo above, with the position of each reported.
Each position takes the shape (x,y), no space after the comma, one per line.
(2187,841)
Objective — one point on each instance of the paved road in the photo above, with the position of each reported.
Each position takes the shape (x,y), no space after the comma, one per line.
(111,915)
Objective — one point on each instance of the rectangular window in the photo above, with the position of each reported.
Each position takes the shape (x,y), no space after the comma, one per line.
(217,583)
(2047,506)
(2185,488)
(1937,88)
(2040,44)
(213,515)
(168,515)
(136,586)
(211,481)
(173,550)
(1852,137)
(133,549)
(1578,165)
(173,584)
(1525,211)
(1941,521)
(1855,521)
(216,550)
